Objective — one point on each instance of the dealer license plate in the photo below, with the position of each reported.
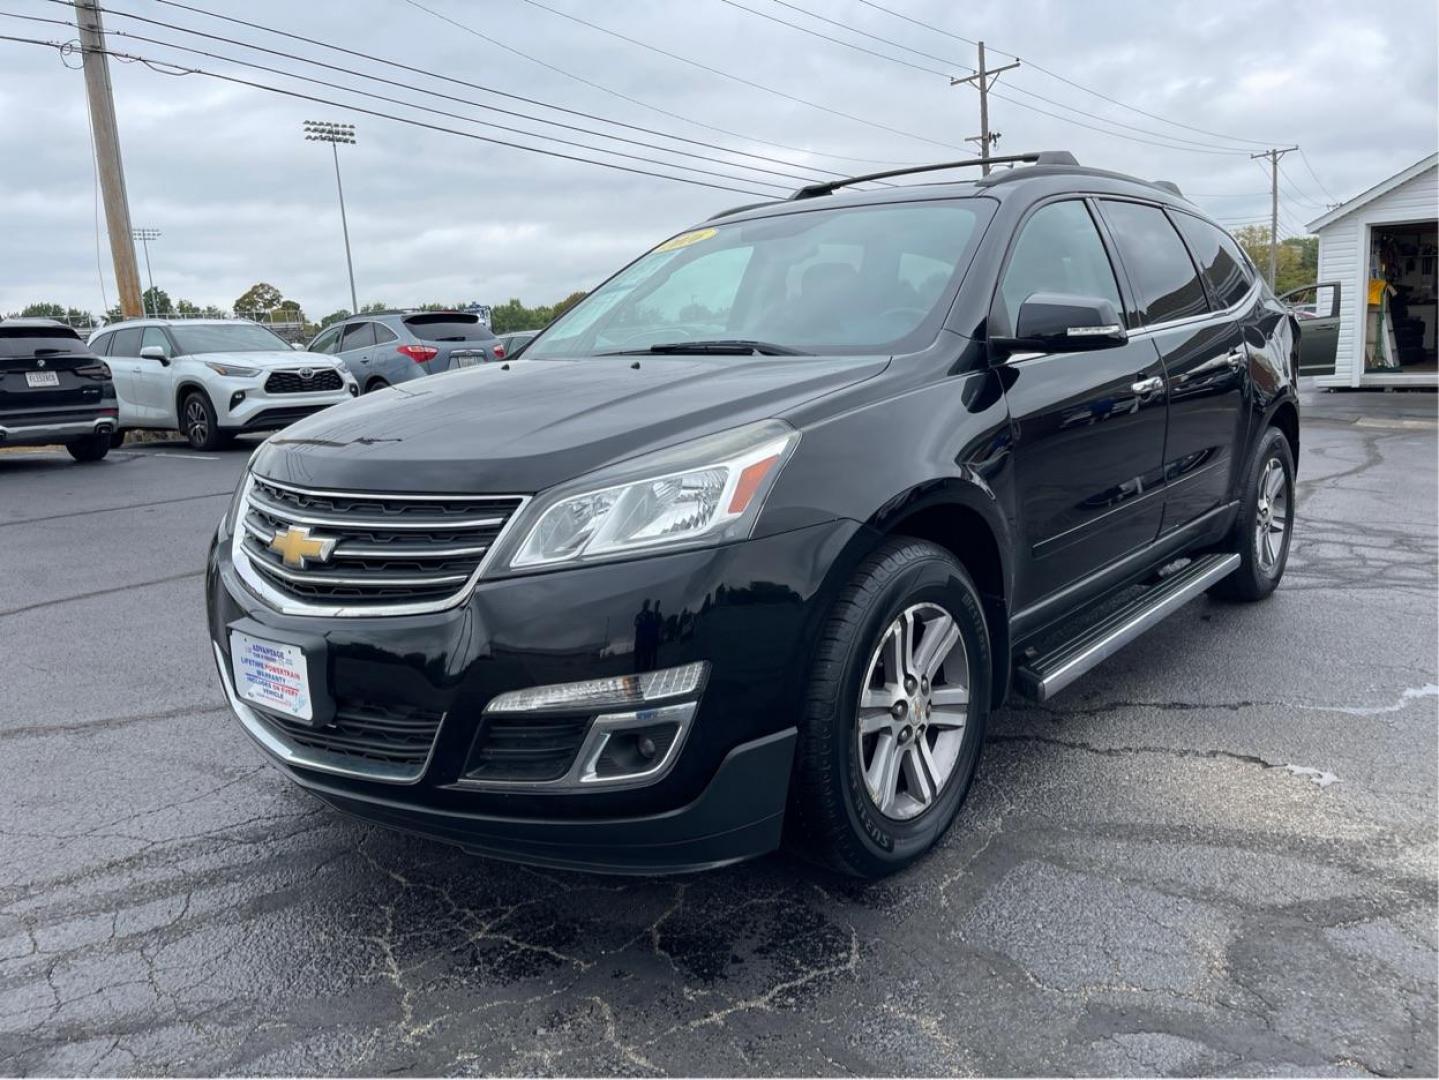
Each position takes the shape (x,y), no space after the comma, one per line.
(41,378)
(271,674)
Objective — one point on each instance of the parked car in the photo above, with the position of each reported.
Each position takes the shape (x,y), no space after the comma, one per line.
(214,378)
(1316,307)
(384,349)
(517,342)
(53,389)
(765,526)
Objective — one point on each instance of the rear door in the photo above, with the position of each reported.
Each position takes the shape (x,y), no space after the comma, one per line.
(123,352)
(357,342)
(1194,314)
(1316,307)
(1089,425)
(45,372)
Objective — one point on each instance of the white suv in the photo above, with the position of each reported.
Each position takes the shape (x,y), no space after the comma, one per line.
(214,378)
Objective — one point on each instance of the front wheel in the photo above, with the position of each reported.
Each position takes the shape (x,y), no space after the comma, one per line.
(1265,524)
(898,699)
(198,424)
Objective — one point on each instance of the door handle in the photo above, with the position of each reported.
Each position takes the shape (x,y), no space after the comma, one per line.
(1146,387)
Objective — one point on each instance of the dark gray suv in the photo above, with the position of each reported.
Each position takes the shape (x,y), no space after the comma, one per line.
(393,347)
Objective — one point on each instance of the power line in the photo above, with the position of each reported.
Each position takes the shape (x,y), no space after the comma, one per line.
(738,78)
(1206,147)
(1327,193)
(1296,193)
(426,108)
(638,101)
(1067,81)
(161,66)
(470,85)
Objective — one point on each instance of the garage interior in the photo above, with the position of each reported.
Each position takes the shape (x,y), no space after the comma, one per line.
(1404,317)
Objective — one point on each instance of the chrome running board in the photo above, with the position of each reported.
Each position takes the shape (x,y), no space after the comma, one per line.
(1041,677)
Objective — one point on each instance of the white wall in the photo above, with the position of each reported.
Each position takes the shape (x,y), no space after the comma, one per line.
(1344,257)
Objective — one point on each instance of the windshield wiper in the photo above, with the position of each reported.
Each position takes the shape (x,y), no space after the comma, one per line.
(734,347)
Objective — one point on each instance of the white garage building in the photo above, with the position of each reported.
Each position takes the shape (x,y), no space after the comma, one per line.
(1381,246)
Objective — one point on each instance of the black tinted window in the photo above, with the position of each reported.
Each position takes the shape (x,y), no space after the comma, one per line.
(383,333)
(358,336)
(1165,283)
(448,327)
(1058,251)
(1219,259)
(126,342)
(326,342)
(101,346)
(29,341)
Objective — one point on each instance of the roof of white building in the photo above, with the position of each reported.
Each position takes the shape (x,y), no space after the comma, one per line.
(1378,190)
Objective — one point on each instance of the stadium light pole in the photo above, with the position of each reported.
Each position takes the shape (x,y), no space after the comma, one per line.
(145,236)
(334,134)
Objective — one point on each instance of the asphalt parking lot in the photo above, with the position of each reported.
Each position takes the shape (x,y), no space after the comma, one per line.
(1217,853)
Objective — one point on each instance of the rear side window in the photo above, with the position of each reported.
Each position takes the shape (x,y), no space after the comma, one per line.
(1165,283)
(126,342)
(1058,251)
(448,326)
(1224,269)
(101,346)
(358,336)
(28,341)
(383,334)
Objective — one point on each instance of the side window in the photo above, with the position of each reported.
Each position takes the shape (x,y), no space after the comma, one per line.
(153,335)
(1165,283)
(1224,269)
(126,342)
(1058,251)
(327,341)
(102,345)
(358,336)
(383,334)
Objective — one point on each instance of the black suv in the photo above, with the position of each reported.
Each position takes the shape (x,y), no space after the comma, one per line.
(53,389)
(757,535)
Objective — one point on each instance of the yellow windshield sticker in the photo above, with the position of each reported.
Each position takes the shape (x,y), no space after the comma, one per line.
(686,239)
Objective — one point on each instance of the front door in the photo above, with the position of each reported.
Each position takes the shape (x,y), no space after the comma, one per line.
(1317,309)
(154,381)
(356,345)
(1089,426)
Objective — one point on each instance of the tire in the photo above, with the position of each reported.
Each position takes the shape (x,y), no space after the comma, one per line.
(835,816)
(1268,483)
(117,439)
(375,384)
(91,448)
(198,423)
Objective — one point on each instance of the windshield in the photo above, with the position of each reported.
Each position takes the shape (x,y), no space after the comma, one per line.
(229,337)
(852,280)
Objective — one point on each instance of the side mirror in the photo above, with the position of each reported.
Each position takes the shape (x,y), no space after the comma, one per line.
(1057,322)
(154,352)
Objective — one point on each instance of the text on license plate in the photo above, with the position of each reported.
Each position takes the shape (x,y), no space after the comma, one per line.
(41,378)
(271,674)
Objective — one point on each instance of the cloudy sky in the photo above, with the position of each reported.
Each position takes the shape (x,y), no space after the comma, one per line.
(223,170)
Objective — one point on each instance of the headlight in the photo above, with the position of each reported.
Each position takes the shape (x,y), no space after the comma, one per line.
(231,370)
(708,491)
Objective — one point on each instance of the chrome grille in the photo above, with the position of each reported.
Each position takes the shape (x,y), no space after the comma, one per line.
(294,382)
(382,553)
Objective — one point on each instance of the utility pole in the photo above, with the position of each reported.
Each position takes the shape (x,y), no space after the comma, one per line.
(983,79)
(319,131)
(145,236)
(1274,155)
(107,154)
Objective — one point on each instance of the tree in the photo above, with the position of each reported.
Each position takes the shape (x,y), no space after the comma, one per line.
(154,301)
(567,303)
(42,311)
(374,308)
(335,316)
(291,311)
(1296,262)
(261,296)
(185,307)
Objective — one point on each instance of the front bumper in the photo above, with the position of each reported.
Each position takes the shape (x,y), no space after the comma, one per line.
(751,610)
(258,410)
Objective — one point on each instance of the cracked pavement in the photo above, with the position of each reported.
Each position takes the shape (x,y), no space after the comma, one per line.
(1214,854)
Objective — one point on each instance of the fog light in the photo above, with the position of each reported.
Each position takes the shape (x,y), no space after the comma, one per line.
(605,693)
(354,389)
(235,399)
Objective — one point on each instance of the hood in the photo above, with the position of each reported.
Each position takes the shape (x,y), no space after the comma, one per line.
(268,361)
(521,427)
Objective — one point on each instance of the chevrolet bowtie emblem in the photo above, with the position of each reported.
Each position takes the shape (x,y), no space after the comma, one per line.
(297,547)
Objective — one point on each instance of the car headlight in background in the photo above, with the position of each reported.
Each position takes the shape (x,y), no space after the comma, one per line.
(232,371)
(707,491)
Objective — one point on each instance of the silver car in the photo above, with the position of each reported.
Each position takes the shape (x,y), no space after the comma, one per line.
(383,349)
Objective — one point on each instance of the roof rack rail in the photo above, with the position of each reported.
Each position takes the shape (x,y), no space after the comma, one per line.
(1169,186)
(1042,157)
(738,209)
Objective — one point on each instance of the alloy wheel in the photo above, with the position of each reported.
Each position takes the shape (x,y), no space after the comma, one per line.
(197,424)
(912,711)
(1271,515)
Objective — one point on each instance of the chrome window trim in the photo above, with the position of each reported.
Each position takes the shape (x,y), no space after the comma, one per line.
(287,605)
(281,748)
(581,774)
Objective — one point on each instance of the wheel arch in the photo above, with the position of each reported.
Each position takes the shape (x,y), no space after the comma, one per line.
(1285,416)
(183,389)
(963,517)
